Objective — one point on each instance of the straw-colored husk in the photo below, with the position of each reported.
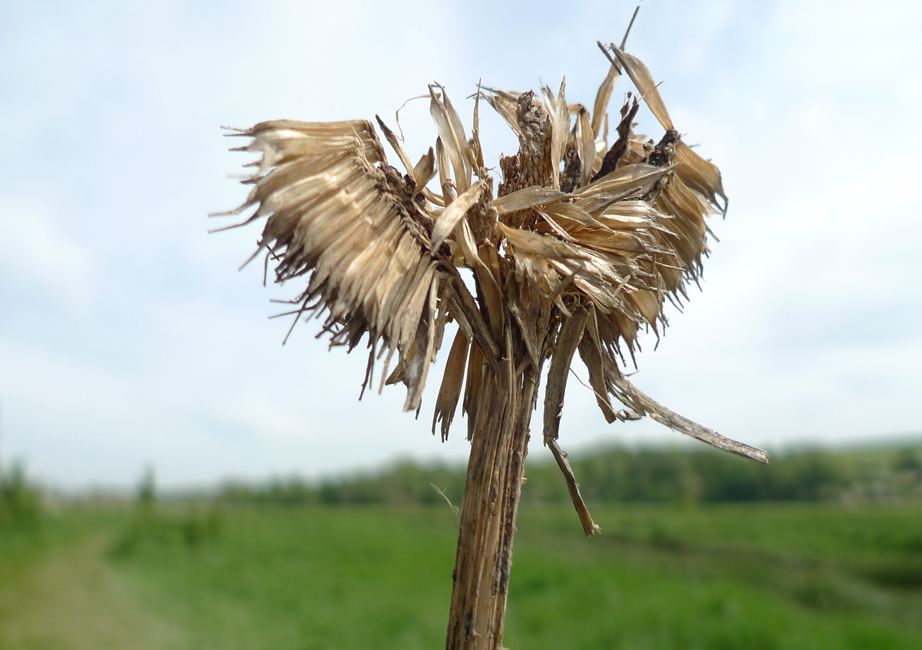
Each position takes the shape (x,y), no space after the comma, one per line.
(577,227)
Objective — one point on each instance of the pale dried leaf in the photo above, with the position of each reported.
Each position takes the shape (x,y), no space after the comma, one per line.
(571,333)
(592,357)
(452,135)
(550,248)
(602,98)
(476,148)
(505,104)
(560,131)
(445,182)
(398,148)
(488,272)
(630,396)
(528,197)
(645,85)
(452,215)
(700,175)
(630,180)
(452,379)
(424,171)
(585,146)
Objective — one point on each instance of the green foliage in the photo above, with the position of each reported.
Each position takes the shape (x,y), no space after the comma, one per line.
(626,476)
(730,576)
(20,502)
(747,575)
(315,577)
(187,525)
(404,484)
(147,491)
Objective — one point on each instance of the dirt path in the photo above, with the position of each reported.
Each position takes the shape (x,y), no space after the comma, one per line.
(73,600)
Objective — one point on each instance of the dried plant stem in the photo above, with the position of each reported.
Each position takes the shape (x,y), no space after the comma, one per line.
(589,526)
(577,250)
(491,498)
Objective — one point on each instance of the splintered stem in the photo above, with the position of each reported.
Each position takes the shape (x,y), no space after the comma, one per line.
(491,499)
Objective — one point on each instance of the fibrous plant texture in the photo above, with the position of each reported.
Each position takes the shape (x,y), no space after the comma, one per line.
(575,250)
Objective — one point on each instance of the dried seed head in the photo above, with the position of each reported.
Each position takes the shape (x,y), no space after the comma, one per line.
(580,247)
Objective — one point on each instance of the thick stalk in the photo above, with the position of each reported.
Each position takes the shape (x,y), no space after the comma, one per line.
(491,498)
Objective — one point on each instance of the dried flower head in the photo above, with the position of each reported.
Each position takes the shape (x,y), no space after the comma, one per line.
(576,250)
(588,238)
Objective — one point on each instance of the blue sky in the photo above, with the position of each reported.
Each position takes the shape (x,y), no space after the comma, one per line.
(128,337)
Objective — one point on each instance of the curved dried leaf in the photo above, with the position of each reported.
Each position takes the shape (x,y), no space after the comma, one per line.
(505,104)
(644,82)
(700,175)
(585,146)
(528,197)
(592,357)
(452,379)
(630,396)
(451,132)
(602,98)
(630,181)
(452,215)
(560,131)
(336,210)
(424,171)
(398,148)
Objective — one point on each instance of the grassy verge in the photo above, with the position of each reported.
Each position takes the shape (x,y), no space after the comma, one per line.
(763,576)
(758,576)
(58,591)
(305,578)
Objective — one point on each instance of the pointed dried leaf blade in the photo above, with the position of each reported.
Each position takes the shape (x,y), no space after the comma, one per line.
(592,357)
(398,148)
(528,197)
(560,131)
(425,170)
(602,98)
(699,174)
(630,396)
(571,333)
(452,380)
(505,104)
(644,83)
(453,214)
(451,132)
(634,180)
(585,146)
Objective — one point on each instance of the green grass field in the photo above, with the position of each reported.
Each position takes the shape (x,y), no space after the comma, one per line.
(755,576)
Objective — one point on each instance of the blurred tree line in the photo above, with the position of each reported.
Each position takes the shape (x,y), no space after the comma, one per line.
(20,502)
(187,522)
(621,475)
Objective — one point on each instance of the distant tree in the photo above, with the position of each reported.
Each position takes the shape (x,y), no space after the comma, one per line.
(20,502)
(147,490)
(907,460)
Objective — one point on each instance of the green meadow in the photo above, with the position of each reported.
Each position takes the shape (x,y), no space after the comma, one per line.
(205,575)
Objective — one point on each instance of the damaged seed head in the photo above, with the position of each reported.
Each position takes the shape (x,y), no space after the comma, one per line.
(576,229)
